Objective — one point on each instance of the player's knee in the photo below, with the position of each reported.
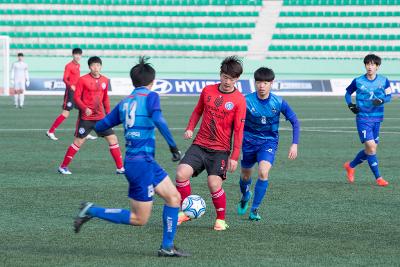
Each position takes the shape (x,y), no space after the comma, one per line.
(174,199)
(181,174)
(263,174)
(371,148)
(140,222)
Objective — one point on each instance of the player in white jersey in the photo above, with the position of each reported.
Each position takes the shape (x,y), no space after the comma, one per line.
(20,78)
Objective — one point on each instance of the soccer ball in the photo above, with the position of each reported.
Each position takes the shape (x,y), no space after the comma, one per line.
(194,206)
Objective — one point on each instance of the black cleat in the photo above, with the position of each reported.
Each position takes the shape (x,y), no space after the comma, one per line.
(82,217)
(172,252)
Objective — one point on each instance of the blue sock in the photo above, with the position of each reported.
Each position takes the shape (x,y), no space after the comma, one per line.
(170,220)
(361,156)
(259,192)
(111,215)
(373,164)
(245,188)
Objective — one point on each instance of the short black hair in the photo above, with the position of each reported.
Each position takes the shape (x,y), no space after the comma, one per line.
(20,54)
(94,59)
(232,66)
(142,74)
(372,58)
(77,50)
(264,74)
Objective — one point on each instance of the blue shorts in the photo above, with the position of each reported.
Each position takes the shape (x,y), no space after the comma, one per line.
(368,131)
(266,152)
(143,176)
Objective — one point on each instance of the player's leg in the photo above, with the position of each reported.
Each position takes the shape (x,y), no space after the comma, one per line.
(260,189)
(22,97)
(247,163)
(17,92)
(115,150)
(370,149)
(68,105)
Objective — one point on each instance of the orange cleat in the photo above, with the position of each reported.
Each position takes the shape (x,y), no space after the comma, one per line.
(381,182)
(349,172)
(182,218)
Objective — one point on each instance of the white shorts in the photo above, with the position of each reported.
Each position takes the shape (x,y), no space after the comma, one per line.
(19,85)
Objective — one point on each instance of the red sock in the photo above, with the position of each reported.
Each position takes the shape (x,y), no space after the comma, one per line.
(71,151)
(57,123)
(184,189)
(116,154)
(219,200)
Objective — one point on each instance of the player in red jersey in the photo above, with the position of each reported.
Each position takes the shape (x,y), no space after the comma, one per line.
(223,109)
(71,75)
(91,98)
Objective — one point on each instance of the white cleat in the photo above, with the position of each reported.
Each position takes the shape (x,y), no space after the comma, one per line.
(120,171)
(91,137)
(51,136)
(64,171)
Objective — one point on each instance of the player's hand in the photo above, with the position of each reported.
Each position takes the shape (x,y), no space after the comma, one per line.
(378,101)
(292,152)
(176,154)
(353,108)
(88,112)
(27,83)
(188,134)
(73,87)
(232,165)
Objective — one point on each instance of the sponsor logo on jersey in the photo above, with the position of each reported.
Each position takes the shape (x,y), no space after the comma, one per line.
(218,101)
(229,105)
(82,130)
(103,85)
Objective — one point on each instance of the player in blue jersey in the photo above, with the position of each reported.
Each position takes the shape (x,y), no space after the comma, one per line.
(261,137)
(140,113)
(372,92)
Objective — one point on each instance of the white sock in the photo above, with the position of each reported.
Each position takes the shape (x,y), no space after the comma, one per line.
(21,99)
(16,99)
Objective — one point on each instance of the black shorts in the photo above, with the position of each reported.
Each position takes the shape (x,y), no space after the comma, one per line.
(83,128)
(200,158)
(68,103)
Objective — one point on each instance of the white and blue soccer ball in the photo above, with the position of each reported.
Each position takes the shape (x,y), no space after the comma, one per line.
(194,206)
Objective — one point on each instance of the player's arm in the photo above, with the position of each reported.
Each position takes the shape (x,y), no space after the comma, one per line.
(27,75)
(112,119)
(240,116)
(66,77)
(387,98)
(78,97)
(106,99)
(349,91)
(12,73)
(195,117)
(154,109)
(289,114)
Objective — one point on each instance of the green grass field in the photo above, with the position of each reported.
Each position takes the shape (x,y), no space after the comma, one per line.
(311,215)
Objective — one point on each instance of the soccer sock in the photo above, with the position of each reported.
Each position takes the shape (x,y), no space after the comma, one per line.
(111,215)
(259,192)
(245,188)
(116,154)
(57,123)
(184,189)
(16,99)
(219,201)
(170,220)
(71,151)
(21,100)
(361,156)
(373,164)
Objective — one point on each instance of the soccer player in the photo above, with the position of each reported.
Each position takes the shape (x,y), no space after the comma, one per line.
(71,75)
(261,137)
(20,78)
(223,109)
(91,98)
(139,113)
(372,92)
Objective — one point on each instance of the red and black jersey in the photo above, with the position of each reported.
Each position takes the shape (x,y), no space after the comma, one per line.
(72,73)
(92,93)
(223,115)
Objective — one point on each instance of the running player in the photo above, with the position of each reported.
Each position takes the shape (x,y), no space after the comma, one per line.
(71,75)
(223,109)
(139,113)
(372,92)
(91,98)
(261,137)
(20,78)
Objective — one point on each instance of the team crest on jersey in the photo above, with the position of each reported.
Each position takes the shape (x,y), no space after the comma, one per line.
(263,120)
(69,104)
(274,110)
(229,105)
(81,130)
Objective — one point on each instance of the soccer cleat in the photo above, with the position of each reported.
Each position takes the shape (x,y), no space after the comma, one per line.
(64,170)
(51,136)
(243,205)
(381,182)
(120,171)
(349,172)
(91,137)
(254,216)
(82,217)
(182,217)
(220,225)
(172,252)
